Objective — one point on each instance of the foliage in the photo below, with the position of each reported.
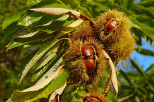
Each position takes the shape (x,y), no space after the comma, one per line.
(47,34)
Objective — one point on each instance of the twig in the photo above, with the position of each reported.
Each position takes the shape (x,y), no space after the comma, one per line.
(85,17)
(126,97)
(117,70)
(69,39)
(123,63)
(10,5)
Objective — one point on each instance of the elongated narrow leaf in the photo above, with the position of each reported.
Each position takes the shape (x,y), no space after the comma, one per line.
(151,87)
(73,3)
(48,19)
(57,24)
(39,54)
(128,3)
(35,18)
(113,73)
(73,93)
(146,52)
(29,38)
(144,28)
(151,67)
(50,55)
(30,19)
(45,81)
(56,61)
(138,68)
(56,11)
(126,77)
(71,26)
(58,91)
(58,82)
(146,3)
(42,70)
(51,71)
(33,2)
(11,30)
(13,18)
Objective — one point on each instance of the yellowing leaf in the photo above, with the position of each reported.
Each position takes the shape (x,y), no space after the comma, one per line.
(58,91)
(71,26)
(38,55)
(113,73)
(59,81)
(56,11)
(48,78)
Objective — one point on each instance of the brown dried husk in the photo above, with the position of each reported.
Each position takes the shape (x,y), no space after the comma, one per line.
(83,31)
(74,62)
(94,95)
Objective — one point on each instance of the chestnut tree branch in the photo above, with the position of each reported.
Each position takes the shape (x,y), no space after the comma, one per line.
(125,98)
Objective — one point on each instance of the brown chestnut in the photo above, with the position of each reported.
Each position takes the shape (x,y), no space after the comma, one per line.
(92,100)
(89,63)
(111,26)
(87,51)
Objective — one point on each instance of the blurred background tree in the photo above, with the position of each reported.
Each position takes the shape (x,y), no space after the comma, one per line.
(136,80)
(10,61)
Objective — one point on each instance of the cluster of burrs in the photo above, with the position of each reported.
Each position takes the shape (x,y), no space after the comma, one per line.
(95,46)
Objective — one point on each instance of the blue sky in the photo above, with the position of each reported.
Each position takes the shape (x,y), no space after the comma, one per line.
(143,61)
(137,1)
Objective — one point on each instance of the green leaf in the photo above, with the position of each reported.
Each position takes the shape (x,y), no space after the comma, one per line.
(50,55)
(151,87)
(112,1)
(28,38)
(141,10)
(56,59)
(141,91)
(13,18)
(150,41)
(47,19)
(33,2)
(146,52)
(38,55)
(74,4)
(46,79)
(151,67)
(72,26)
(144,28)
(139,69)
(71,94)
(27,59)
(59,81)
(30,19)
(11,30)
(138,34)
(148,21)
(57,24)
(51,4)
(126,77)
(97,7)
(83,2)
(33,18)
(128,3)
(146,3)
(111,97)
